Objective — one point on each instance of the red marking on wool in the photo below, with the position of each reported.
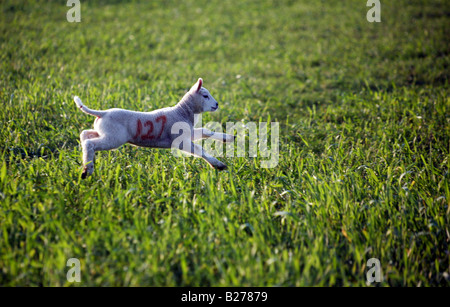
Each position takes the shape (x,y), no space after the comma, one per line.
(149,123)
(139,129)
(164,120)
(148,136)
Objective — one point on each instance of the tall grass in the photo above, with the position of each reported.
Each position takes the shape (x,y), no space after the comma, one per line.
(364,147)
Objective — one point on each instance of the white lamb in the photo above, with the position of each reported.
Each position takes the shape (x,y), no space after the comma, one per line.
(115,127)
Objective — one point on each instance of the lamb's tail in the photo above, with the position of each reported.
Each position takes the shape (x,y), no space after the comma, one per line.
(86,109)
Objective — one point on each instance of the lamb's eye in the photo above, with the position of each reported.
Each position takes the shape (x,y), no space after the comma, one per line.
(205,96)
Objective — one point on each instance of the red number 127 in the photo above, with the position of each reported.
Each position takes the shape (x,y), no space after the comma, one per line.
(149,123)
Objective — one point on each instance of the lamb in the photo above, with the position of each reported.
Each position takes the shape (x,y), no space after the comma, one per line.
(115,127)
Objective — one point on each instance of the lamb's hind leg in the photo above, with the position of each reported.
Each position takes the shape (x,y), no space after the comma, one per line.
(86,135)
(90,146)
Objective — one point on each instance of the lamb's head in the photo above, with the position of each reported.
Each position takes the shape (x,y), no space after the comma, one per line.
(202,99)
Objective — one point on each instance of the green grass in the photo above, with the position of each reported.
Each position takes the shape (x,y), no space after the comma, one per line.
(364,152)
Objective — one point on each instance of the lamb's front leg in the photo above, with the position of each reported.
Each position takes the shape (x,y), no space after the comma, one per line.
(198,151)
(203,133)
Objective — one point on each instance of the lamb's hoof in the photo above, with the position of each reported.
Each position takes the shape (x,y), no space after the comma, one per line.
(221,167)
(86,172)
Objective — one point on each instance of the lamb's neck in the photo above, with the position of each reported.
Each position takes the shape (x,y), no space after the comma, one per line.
(184,107)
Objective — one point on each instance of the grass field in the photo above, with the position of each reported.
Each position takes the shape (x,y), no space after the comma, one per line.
(363,169)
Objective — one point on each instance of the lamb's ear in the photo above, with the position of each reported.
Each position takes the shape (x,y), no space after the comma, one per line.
(197,86)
